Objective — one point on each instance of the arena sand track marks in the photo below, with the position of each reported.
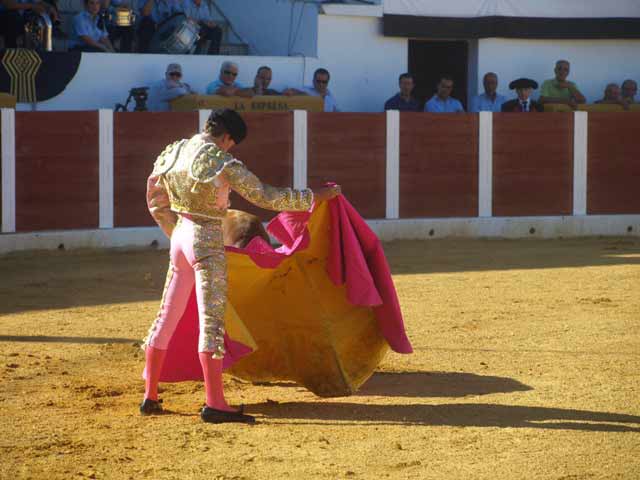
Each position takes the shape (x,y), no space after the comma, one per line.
(527,365)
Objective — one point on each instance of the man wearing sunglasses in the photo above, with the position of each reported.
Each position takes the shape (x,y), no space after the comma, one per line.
(320,88)
(226,84)
(172,86)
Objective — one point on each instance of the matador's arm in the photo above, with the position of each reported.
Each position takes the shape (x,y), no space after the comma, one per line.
(265,196)
(159,205)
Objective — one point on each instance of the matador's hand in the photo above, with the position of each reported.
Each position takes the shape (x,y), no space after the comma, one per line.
(326,193)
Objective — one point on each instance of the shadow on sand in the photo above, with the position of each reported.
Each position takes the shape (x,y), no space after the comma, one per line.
(437,384)
(454,415)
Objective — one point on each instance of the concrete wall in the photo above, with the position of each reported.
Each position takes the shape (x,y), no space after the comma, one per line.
(274,27)
(594,63)
(364,64)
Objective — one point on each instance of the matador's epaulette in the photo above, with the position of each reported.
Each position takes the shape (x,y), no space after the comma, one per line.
(168,157)
(208,163)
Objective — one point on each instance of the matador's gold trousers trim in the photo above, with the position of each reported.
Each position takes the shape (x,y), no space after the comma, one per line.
(210,267)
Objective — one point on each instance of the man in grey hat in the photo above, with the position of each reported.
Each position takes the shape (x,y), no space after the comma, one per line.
(172,86)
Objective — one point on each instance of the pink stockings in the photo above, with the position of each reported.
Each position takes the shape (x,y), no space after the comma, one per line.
(211,368)
(197,259)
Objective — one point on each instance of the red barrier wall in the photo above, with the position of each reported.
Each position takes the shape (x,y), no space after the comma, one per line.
(613,163)
(139,137)
(350,149)
(532,164)
(57,163)
(438,165)
(268,152)
(56,170)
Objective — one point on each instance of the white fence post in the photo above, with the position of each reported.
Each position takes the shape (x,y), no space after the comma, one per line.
(485,164)
(8,170)
(106,188)
(203,115)
(393,165)
(580,133)
(300,149)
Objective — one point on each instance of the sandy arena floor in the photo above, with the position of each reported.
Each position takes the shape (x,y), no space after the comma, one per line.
(526,365)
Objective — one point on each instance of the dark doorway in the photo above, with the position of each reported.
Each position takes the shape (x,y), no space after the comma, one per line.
(429,60)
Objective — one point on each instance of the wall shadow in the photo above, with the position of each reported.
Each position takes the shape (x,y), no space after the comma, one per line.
(81,340)
(454,415)
(45,280)
(437,384)
(467,255)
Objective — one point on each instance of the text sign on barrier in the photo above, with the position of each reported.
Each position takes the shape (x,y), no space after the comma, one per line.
(271,103)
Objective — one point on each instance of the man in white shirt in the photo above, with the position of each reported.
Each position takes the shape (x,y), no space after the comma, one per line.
(201,12)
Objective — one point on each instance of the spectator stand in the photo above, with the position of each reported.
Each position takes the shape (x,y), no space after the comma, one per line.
(232,43)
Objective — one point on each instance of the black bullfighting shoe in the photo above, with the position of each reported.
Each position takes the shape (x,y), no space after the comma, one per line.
(151,407)
(211,415)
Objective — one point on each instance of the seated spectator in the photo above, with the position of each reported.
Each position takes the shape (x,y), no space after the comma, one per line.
(201,12)
(226,84)
(629,90)
(12,18)
(404,100)
(262,82)
(122,34)
(320,88)
(612,96)
(442,102)
(559,89)
(489,101)
(523,87)
(86,34)
(151,14)
(172,86)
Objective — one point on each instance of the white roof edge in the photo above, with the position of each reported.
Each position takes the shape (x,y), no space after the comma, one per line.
(520,8)
(353,10)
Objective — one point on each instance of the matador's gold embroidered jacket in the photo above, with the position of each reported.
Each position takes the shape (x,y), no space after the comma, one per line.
(195,177)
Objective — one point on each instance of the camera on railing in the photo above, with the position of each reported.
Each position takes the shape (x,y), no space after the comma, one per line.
(139,96)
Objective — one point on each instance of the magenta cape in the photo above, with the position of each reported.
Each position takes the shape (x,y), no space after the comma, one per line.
(348,276)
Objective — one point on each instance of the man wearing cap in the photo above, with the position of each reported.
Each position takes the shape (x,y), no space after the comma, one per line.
(188,196)
(559,89)
(523,87)
(172,86)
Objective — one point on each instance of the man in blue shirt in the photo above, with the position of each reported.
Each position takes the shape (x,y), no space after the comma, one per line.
(489,101)
(404,100)
(86,35)
(200,12)
(442,102)
(152,13)
(163,91)
(320,88)
(226,84)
